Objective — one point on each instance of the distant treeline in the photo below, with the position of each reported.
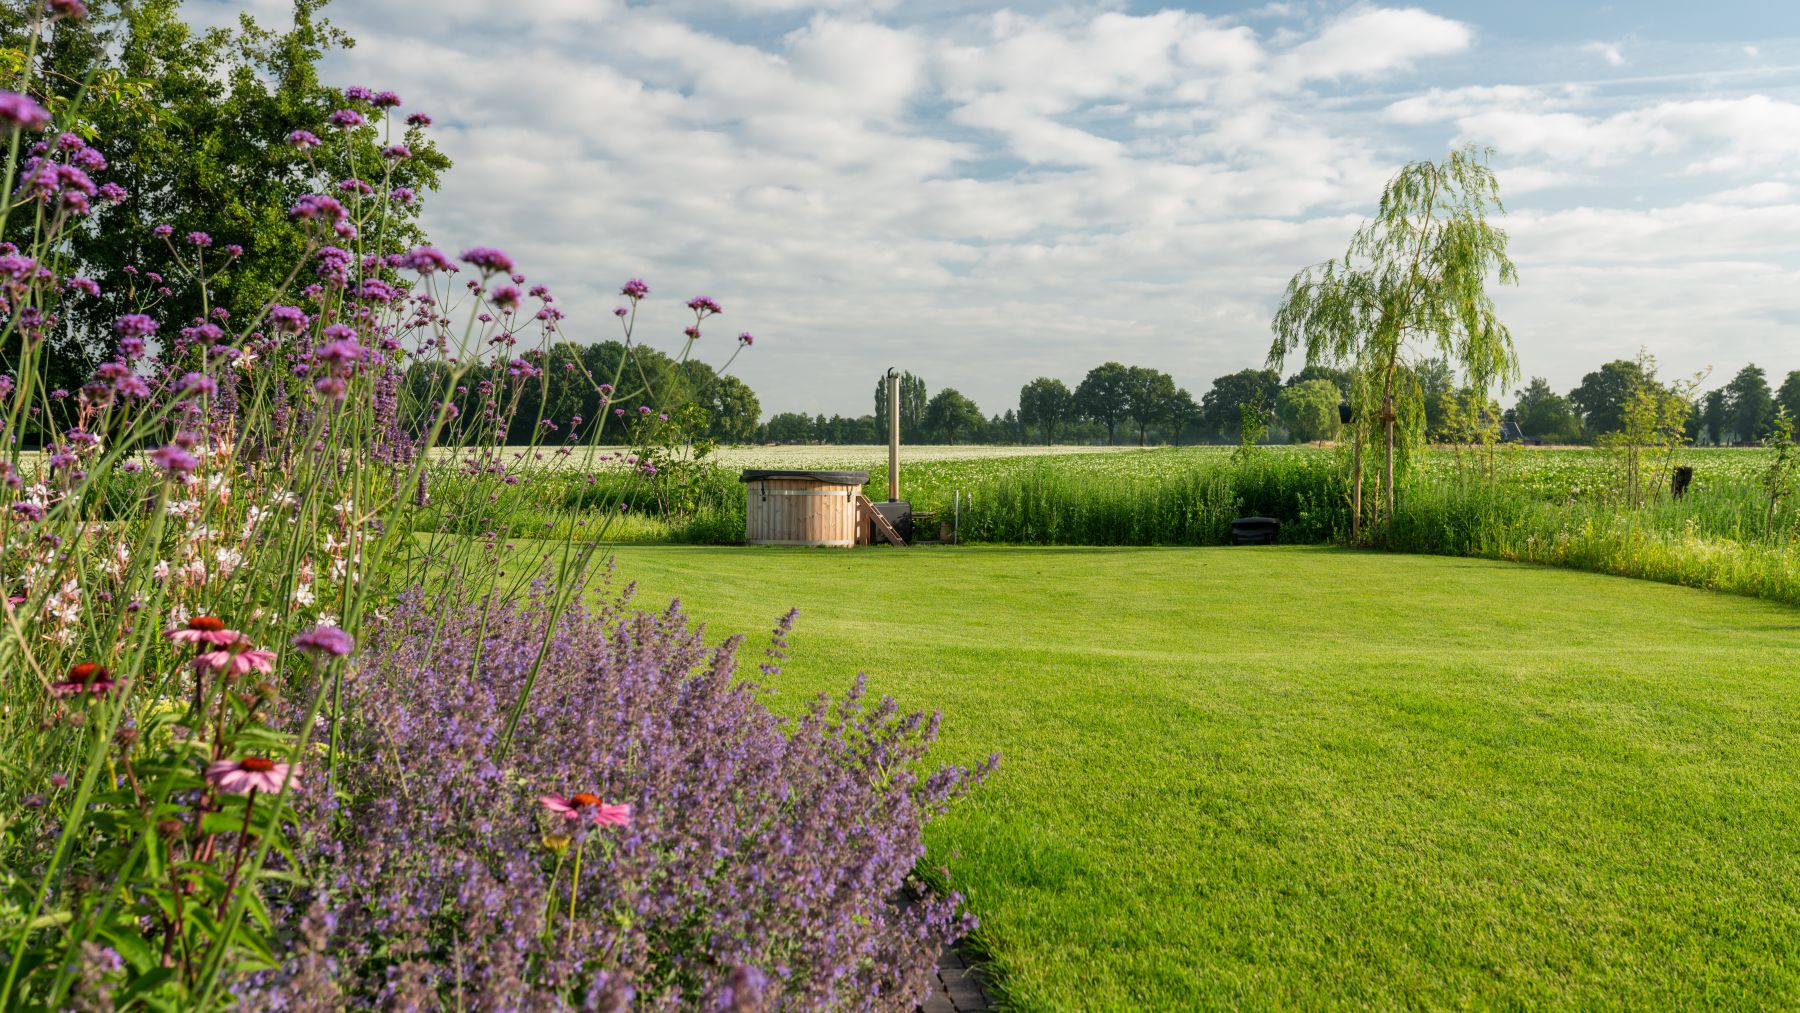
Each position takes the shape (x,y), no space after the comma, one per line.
(1113,403)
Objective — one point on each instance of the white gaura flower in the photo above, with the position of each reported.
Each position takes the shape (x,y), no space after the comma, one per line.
(285,498)
(160,572)
(303,595)
(194,572)
(228,560)
(183,507)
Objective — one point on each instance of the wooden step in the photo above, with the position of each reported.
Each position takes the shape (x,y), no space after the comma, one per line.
(883,526)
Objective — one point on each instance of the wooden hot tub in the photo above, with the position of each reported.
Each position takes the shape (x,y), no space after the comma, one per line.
(801,507)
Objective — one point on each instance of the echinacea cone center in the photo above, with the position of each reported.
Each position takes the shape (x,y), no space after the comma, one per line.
(88,672)
(206,624)
(256,764)
(584,798)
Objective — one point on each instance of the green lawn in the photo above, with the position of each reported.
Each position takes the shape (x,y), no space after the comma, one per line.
(1316,778)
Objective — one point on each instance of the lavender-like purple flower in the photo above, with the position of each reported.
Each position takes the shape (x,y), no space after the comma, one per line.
(114,193)
(418,120)
(197,384)
(746,339)
(304,139)
(163,231)
(396,152)
(635,289)
(72,10)
(199,239)
(344,119)
(702,305)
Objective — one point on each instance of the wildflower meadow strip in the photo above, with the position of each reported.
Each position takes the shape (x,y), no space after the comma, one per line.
(218,586)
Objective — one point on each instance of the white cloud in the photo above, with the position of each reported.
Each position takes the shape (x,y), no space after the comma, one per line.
(1608,51)
(1375,40)
(992,197)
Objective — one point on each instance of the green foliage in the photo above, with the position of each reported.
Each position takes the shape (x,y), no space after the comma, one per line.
(1149,397)
(1222,408)
(951,414)
(1788,397)
(1308,410)
(789,427)
(192,124)
(732,411)
(912,408)
(1101,395)
(1416,276)
(1045,404)
(1543,414)
(1603,394)
(1749,407)
(1783,465)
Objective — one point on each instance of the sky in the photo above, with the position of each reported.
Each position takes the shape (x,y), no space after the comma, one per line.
(984,194)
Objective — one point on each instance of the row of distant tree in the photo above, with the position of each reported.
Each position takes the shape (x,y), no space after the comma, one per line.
(1118,403)
(1112,403)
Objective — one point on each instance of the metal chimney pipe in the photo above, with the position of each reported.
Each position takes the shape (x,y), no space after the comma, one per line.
(893,379)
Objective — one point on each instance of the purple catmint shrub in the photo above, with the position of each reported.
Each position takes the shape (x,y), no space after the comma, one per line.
(763,864)
(22,111)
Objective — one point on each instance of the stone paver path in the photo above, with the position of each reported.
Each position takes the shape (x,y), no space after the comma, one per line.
(959,987)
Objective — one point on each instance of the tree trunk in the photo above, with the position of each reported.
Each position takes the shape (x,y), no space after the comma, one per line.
(1356,489)
(1387,416)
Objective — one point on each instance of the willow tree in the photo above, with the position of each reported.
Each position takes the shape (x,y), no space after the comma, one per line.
(1413,284)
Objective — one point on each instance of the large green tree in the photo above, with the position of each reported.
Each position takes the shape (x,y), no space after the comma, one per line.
(1101,395)
(1149,397)
(1416,277)
(1309,410)
(1543,414)
(1045,404)
(912,408)
(1788,397)
(1222,407)
(1749,405)
(951,414)
(194,125)
(1603,394)
(732,411)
